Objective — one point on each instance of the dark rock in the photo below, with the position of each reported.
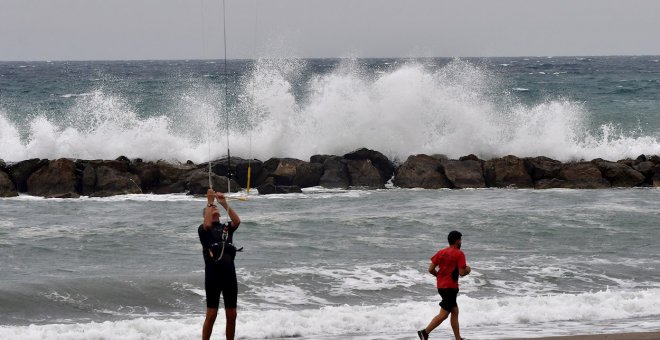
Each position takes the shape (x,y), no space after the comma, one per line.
(148,173)
(88,180)
(308,175)
(119,165)
(550,183)
(21,171)
(470,157)
(319,158)
(170,174)
(646,168)
(441,157)
(236,168)
(628,162)
(123,159)
(115,171)
(464,174)
(269,189)
(3,166)
(112,182)
(620,175)
(288,189)
(582,175)
(269,180)
(56,179)
(189,162)
(363,173)
(283,170)
(542,167)
(508,171)
(257,172)
(65,195)
(197,183)
(335,173)
(7,187)
(641,158)
(172,188)
(655,159)
(580,171)
(221,167)
(378,160)
(270,165)
(655,179)
(421,171)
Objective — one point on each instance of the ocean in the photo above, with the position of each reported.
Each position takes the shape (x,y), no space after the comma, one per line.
(333,264)
(565,108)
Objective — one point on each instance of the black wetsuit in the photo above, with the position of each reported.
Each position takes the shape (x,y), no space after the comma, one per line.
(220,273)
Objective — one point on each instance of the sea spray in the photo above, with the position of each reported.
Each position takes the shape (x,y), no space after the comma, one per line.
(294,110)
(11,147)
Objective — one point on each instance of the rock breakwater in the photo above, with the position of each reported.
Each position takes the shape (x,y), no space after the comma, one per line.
(363,168)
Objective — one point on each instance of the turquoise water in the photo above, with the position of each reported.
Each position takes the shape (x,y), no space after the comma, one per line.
(566,108)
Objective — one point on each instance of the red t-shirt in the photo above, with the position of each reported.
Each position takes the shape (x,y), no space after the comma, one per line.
(448,260)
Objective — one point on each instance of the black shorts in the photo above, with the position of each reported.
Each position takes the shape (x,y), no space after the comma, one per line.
(220,281)
(448,298)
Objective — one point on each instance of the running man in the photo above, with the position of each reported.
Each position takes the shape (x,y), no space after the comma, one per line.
(446,265)
(219,270)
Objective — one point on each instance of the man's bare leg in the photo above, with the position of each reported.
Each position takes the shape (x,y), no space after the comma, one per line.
(230,313)
(436,321)
(211,314)
(454,323)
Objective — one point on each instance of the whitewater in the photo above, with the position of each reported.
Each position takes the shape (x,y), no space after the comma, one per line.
(333,264)
(298,108)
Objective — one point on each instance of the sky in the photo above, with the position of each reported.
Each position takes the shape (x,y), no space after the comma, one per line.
(193,29)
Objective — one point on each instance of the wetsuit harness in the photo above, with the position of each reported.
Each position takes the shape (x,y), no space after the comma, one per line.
(223,243)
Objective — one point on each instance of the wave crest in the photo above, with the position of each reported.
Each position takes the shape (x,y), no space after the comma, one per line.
(280,110)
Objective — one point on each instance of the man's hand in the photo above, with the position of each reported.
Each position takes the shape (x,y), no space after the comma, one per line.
(221,199)
(465,271)
(432,270)
(235,220)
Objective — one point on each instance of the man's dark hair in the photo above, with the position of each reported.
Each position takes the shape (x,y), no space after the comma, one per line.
(454,236)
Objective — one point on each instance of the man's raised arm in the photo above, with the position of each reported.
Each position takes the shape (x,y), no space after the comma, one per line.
(235,220)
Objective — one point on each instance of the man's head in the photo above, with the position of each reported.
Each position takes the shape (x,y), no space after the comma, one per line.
(455,238)
(215,217)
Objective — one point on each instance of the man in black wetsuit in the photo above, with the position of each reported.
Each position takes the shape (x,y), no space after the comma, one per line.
(219,270)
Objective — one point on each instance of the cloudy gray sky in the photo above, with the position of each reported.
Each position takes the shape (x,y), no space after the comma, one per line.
(190,29)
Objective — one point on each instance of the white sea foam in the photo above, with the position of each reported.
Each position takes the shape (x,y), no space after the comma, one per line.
(488,318)
(358,278)
(280,294)
(11,147)
(182,286)
(69,95)
(455,110)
